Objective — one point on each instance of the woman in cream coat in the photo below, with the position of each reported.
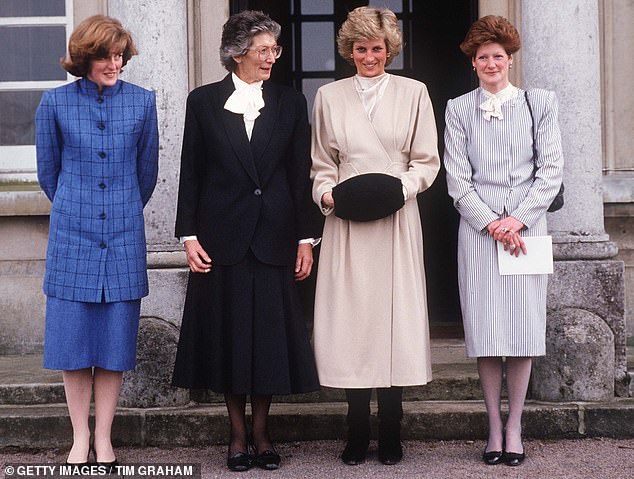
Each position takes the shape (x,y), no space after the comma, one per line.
(371,327)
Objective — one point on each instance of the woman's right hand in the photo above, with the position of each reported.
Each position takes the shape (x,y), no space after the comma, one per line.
(327,200)
(198,259)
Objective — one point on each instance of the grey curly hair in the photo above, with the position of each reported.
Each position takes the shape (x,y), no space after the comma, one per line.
(238,33)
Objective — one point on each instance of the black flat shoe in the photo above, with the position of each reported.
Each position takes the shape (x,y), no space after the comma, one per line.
(390,448)
(492,458)
(269,460)
(354,453)
(239,461)
(514,458)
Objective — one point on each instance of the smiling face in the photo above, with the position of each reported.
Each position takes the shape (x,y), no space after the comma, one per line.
(105,71)
(252,67)
(491,63)
(369,57)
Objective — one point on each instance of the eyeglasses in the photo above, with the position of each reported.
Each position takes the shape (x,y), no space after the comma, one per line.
(264,52)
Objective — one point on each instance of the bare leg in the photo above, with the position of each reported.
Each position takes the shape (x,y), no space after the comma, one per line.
(490,371)
(107,388)
(236,404)
(78,388)
(518,374)
(260,406)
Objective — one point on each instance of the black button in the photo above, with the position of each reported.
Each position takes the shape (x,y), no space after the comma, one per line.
(101,126)
(257,192)
(102,154)
(100,99)
(102,216)
(103,245)
(102,185)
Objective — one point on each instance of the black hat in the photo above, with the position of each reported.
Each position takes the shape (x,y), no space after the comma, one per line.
(368,197)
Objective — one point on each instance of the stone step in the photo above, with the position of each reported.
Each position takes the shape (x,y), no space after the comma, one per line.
(49,426)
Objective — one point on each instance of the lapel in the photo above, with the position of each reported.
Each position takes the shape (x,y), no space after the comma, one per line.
(234,127)
(264,124)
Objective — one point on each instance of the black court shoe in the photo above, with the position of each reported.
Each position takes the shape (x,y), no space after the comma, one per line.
(514,458)
(493,458)
(239,461)
(269,459)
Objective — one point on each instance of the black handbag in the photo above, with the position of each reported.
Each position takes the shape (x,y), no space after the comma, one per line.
(558,202)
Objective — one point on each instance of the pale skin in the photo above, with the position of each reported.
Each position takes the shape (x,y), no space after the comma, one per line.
(492,64)
(255,65)
(79,385)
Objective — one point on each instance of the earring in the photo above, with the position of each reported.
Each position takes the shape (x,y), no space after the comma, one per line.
(473,68)
(511,66)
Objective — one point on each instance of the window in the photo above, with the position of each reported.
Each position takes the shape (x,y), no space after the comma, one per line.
(34,35)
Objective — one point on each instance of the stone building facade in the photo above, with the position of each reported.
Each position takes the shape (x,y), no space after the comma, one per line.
(581,49)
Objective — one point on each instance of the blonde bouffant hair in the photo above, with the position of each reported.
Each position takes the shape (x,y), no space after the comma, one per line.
(367,23)
(491,29)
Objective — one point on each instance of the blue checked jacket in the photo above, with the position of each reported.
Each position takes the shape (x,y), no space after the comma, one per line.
(97,161)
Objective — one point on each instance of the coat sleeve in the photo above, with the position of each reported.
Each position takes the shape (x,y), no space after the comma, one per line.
(325,170)
(299,173)
(459,172)
(550,164)
(147,151)
(189,187)
(424,161)
(48,144)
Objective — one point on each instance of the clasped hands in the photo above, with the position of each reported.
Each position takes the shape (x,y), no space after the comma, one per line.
(506,231)
(200,262)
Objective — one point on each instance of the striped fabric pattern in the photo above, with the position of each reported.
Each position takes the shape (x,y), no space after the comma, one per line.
(491,174)
(97,160)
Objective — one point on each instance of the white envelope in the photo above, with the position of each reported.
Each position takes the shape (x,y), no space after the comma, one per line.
(537,260)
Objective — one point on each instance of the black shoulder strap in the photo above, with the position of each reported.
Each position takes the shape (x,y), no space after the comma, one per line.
(530,110)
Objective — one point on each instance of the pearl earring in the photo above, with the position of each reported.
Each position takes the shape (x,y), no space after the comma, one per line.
(511,66)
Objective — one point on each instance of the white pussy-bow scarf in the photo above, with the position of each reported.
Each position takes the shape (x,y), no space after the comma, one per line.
(492,106)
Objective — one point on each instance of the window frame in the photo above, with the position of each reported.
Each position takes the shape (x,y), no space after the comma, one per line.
(18,162)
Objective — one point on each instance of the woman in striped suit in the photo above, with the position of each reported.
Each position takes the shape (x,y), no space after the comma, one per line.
(502,193)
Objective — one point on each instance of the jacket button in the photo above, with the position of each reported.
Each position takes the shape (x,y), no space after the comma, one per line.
(257,192)
(100,99)
(102,216)
(102,154)
(102,185)
(101,126)
(103,245)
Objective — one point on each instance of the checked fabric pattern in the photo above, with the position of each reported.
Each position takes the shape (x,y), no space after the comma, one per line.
(97,161)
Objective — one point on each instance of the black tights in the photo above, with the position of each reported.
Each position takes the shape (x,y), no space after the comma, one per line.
(390,404)
(260,405)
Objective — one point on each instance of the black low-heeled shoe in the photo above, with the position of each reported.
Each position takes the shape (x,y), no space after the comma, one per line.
(239,461)
(493,458)
(268,459)
(111,467)
(514,458)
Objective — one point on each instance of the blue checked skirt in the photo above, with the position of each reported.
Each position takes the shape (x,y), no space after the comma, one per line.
(82,335)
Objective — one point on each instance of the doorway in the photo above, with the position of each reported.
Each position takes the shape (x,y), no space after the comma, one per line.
(432,31)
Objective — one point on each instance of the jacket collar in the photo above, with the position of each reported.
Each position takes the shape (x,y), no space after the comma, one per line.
(88,87)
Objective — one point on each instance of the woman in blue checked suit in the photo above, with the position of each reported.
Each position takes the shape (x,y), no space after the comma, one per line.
(502,192)
(97,160)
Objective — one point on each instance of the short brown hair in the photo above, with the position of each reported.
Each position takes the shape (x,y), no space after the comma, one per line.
(491,29)
(95,38)
(366,23)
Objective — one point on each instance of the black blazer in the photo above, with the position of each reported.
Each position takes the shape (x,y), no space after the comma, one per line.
(235,194)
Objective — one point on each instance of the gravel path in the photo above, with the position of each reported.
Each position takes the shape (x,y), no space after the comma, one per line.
(596,458)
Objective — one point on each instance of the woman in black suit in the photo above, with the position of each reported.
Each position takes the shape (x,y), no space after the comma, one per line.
(242,214)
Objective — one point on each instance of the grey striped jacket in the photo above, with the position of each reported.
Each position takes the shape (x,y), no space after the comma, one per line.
(490,166)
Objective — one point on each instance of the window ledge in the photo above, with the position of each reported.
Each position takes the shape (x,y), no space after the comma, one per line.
(618,189)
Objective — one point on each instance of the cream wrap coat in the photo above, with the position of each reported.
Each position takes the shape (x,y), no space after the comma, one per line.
(371,326)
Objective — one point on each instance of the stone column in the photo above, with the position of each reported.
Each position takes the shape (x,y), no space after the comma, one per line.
(159,29)
(561,52)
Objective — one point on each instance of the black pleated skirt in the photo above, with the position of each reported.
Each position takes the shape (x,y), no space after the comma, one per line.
(243,332)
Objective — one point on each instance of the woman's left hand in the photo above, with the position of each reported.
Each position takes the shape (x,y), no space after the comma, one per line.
(506,230)
(304,261)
